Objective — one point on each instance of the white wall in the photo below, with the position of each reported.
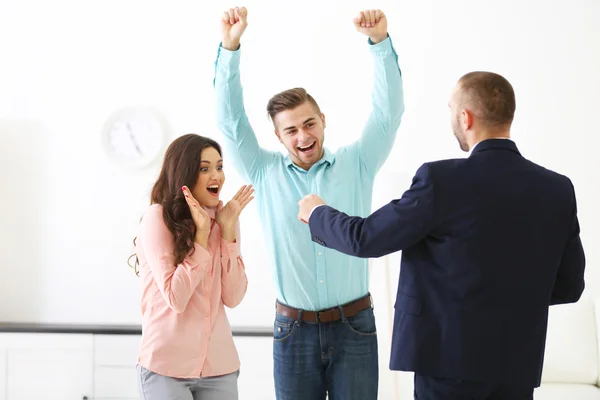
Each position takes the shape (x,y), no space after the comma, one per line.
(68,214)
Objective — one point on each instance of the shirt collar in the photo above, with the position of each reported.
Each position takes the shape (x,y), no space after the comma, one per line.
(328,157)
(212,211)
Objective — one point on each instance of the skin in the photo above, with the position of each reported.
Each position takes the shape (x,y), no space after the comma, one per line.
(301,130)
(211,175)
(467,128)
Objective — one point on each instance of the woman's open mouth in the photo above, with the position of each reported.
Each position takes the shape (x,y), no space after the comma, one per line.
(213,190)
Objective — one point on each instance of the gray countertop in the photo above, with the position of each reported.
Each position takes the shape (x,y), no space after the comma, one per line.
(24,327)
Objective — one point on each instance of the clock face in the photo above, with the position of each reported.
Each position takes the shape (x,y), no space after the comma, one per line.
(134,137)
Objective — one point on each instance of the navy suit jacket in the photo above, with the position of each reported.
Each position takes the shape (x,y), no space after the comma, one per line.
(488,243)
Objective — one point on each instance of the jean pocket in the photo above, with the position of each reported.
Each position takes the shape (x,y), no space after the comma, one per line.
(283,329)
(362,323)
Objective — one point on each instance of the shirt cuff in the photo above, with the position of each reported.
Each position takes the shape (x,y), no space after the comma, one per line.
(231,248)
(314,208)
(383,48)
(227,57)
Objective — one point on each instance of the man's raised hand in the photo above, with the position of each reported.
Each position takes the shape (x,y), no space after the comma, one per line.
(372,23)
(233,25)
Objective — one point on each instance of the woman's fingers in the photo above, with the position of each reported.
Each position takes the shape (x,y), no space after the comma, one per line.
(244,193)
(189,198)
(245,202)
(239,192)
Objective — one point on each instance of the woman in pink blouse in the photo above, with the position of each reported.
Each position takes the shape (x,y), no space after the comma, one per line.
(188,249)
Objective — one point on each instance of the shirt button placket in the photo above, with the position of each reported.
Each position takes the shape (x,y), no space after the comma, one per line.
(319,251)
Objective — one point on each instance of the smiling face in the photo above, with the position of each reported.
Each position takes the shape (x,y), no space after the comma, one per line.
(210,178)
(301,130)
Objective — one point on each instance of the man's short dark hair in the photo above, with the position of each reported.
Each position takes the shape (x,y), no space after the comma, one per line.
(288,100)
(489,96)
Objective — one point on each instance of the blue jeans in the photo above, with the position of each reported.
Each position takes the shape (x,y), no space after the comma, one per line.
(337,358)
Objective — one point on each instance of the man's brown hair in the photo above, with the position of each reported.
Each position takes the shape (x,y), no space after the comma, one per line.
(288,100)
(489,96)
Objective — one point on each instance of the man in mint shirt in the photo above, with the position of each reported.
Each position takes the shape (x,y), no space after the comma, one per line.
(324,333)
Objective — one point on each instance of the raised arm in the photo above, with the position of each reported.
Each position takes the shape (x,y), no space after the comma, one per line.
(240,142)
(378,136)
(233,272)
(176,282)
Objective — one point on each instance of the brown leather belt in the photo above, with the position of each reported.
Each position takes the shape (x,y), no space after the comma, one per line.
(328,315)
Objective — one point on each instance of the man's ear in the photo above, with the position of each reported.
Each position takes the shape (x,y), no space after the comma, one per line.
(323,119)
(467,120)
(278,135)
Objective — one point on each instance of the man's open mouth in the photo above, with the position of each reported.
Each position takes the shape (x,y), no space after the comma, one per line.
(307,148)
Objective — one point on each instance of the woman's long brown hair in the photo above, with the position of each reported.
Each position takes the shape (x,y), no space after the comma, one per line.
(181,167)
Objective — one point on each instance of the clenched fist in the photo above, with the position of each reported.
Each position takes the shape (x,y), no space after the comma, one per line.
(373,24)
(233,25)
(307,205)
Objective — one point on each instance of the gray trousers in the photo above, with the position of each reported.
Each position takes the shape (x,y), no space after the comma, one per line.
(153,386)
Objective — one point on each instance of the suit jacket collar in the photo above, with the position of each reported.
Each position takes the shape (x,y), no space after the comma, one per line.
(495,144)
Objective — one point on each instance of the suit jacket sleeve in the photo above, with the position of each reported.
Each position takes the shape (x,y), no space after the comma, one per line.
(570,283)
(395,226)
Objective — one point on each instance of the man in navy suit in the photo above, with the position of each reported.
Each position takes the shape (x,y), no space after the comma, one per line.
(488,243)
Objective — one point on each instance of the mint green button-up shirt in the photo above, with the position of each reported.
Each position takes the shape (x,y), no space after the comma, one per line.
(307,275)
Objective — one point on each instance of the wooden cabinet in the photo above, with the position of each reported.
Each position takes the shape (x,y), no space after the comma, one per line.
(48,366)
(102,367)
(256,371)
(68,366)
(2,374)
(114,366)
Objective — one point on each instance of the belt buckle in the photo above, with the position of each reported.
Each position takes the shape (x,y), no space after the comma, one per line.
(317,317)
(318,313)
(329,312)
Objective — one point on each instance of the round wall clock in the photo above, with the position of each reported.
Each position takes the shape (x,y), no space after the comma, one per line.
(134,137)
